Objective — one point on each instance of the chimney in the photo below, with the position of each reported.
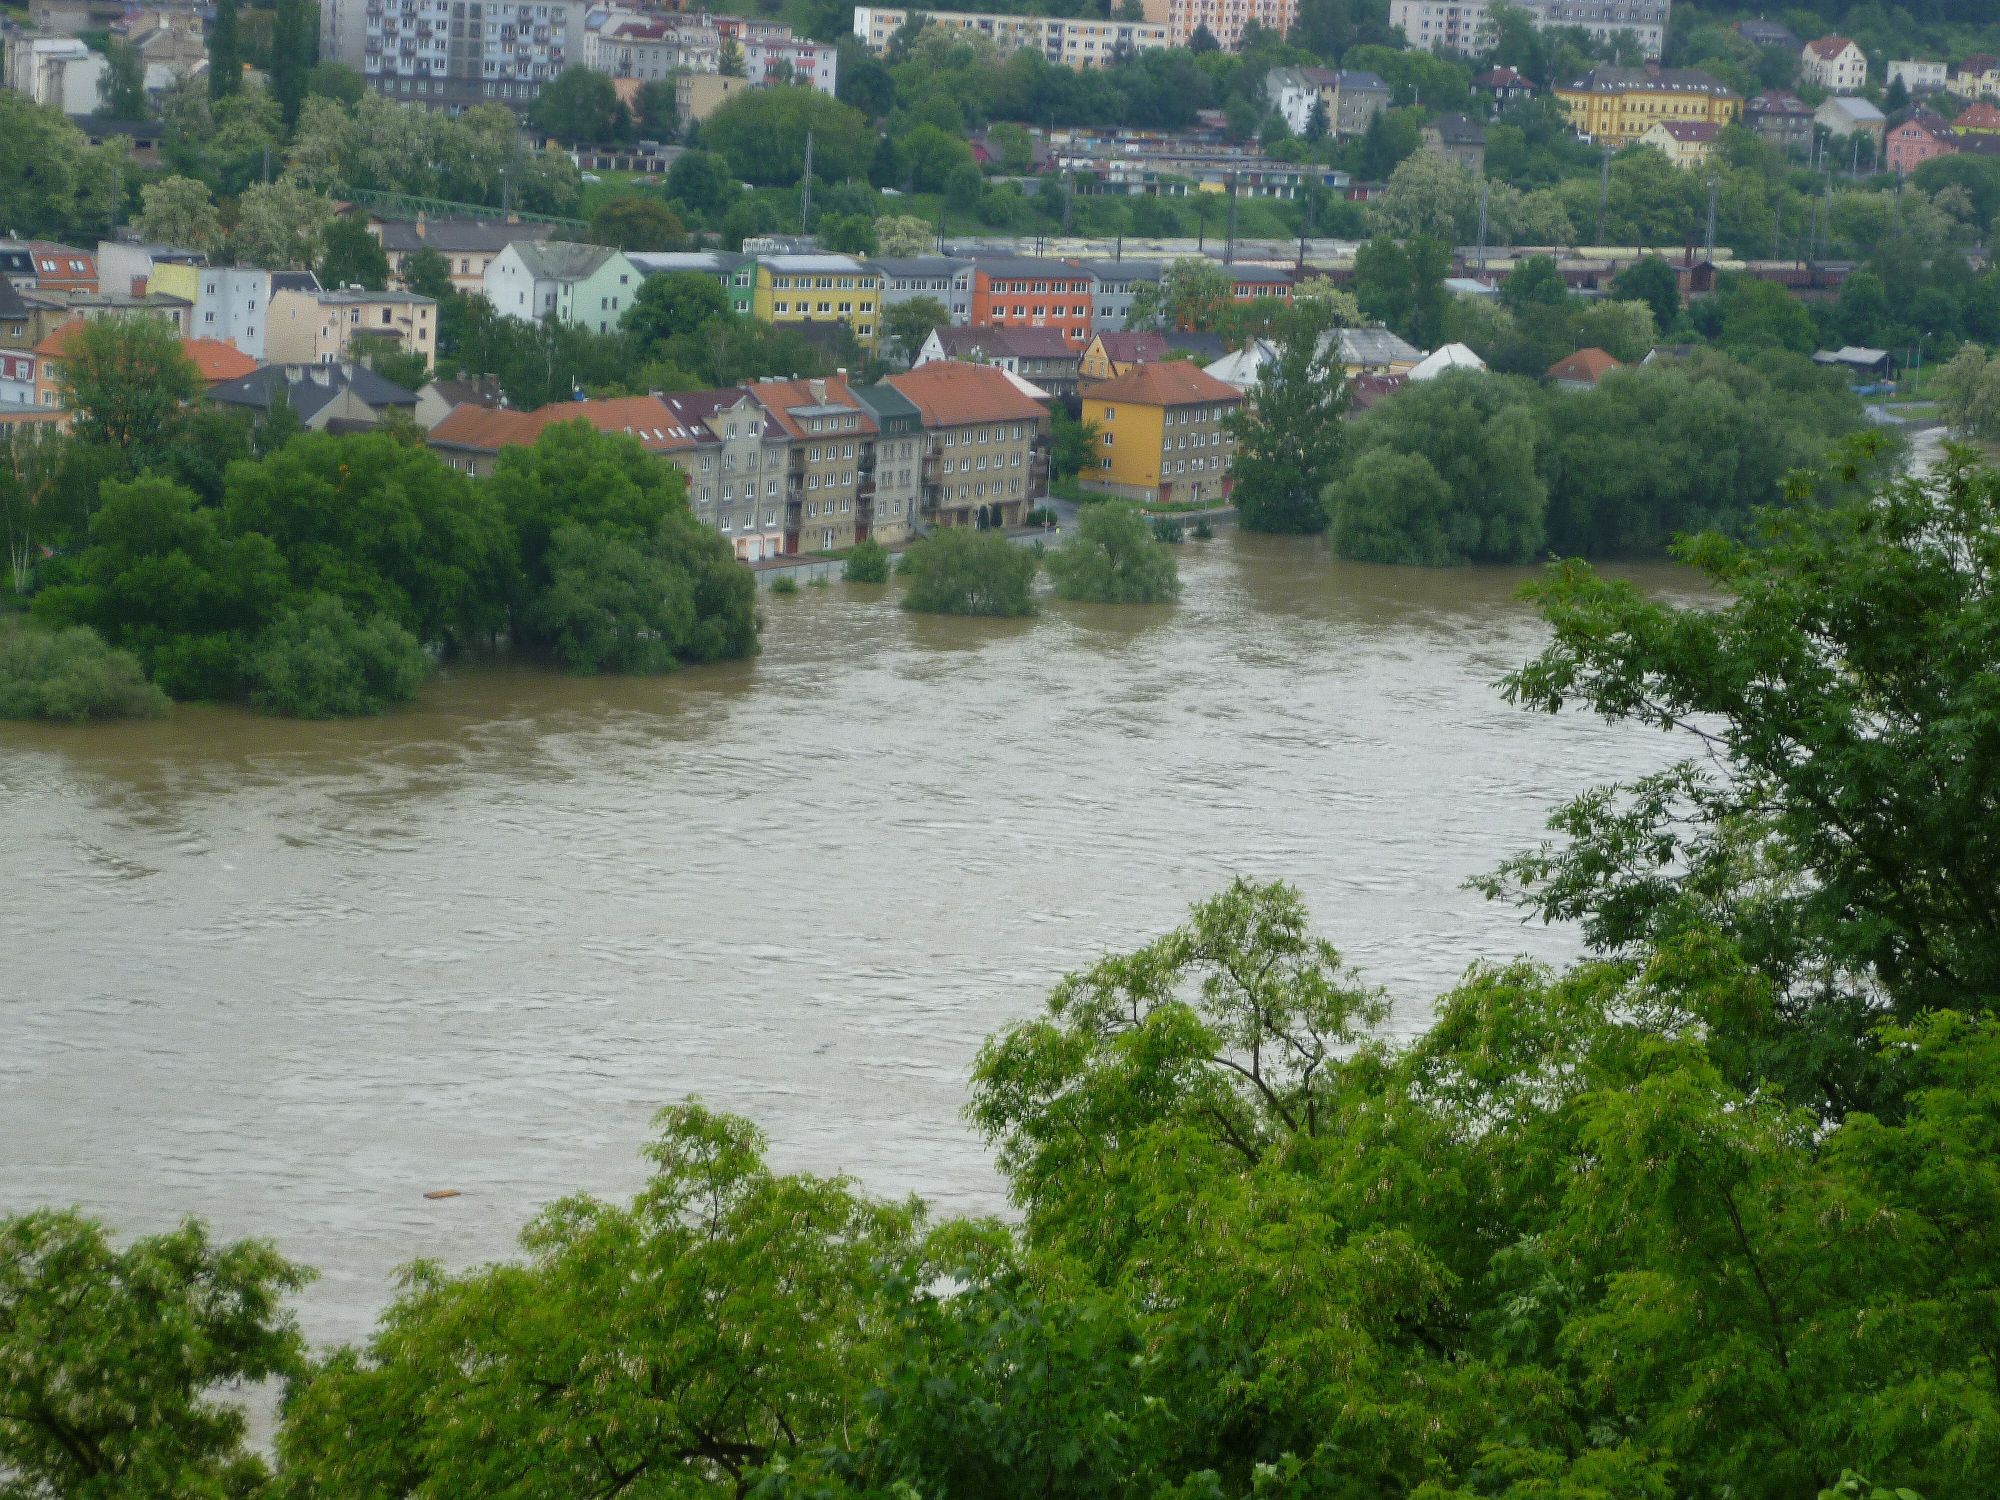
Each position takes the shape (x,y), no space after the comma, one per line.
(819,391)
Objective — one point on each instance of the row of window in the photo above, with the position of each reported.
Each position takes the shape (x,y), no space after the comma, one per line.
(824,283)
(977,435)
(967,465)
(977,490)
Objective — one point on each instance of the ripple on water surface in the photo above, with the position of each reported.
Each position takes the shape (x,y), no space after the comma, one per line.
(290,976)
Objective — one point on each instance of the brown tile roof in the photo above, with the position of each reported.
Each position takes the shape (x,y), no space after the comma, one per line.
(1978,117)
(1691,130)
(1132,346)
(950,394)
(1175,382)
(1019,343)
(1588,365)
(216,361)
(781,397)
(1828,47)
(57,341)
(646,418)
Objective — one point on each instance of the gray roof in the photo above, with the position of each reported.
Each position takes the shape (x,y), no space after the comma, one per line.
(659,262)
(1457,130)
(1018,267)
(1125,272)
(561,260)
(307,388)
(340,296)
(449,235)
(1355,78)
(926,267)
(294,281)
(1858,110)
(12,304)
(889,405)
(1375,346)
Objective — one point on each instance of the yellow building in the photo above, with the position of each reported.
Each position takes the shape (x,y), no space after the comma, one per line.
(824,289)
(1160,434)
(1685,143)
(1619,105)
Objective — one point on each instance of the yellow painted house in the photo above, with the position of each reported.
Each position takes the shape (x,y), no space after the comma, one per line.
(795,289)
(1161,434)
(1619,105)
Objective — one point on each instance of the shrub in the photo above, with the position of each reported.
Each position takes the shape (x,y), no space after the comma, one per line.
(785,585)
(1203,532)
(1114,558)
(318,662)
(1041,515)
(867,563)
(1167,529)
(966,572)
(71,675)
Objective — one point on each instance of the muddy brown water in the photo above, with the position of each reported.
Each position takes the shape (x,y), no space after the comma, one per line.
(291,977)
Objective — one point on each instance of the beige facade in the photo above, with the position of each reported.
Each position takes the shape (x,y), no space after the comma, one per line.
(829,489)
(1222,19)
(983,443)
(318,328)
(699,95)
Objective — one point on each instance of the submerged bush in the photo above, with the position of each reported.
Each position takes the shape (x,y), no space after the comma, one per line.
(318,662)
(966,572)
(784,584)
(867,563)
(1114,558)
(71,675)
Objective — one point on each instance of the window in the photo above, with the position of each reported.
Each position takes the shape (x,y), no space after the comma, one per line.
(1107,440)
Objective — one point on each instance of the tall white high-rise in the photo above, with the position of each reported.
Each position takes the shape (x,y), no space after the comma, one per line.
(452,54)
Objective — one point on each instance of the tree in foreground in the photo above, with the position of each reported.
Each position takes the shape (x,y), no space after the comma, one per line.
(959,571)
(317,661)
(1113,558)
(70,675)
(110,1360)
(129,384)
(615,573)
(867,562)
(1290,434)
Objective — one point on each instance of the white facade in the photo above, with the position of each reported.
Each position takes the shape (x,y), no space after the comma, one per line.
(58,71)
(586,285)
(452,54)
(627,44)
(1464,28)
(233,304)
(1918,77)
(768,60)
(1087,43)
(1293,92)
(17,378)
(1835,64)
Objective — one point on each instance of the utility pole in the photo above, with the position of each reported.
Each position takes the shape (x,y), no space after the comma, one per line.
(806,189)
(1229,245)
(1708,245)
(1069,201)
(1485,193)
(1603,193)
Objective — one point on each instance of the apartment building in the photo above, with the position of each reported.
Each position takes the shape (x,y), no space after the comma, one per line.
(1070,41)
(699,95)
(907,277)
(1917,76)
(1161,434)
(1222,19)
(63,268)
(1921,138)
(770,59)
(830,471)
(736,274)
(470,438)
(816,288)
(1619,105)
(898,462)
(453,54)
(1041,356)
(1835,64)
(318,327)
(231,304)
(467,246)
(1465,27)
(588,286)
(1352,98)
(984,440)
(632,44)
(1785,120)
(737,470)
(1027,293)
(58,71)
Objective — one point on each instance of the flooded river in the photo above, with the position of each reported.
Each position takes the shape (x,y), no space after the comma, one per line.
(290,976)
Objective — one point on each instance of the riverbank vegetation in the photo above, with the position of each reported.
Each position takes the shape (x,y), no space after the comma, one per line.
(318,575)
(1113,558)
(960,571)
(1712,1211)
(70,676)
(1478,467)
(867,562)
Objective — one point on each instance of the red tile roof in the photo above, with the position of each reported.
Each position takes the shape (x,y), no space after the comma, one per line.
(1978,117)
(1828,47)
(216,361)
(646,418)
(950,394)
(1690,130)
(57,340)
(1174,382)
(1135,346)
(1586,365)
(779,397)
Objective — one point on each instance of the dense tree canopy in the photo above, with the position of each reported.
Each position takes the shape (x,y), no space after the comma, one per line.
(1113,558)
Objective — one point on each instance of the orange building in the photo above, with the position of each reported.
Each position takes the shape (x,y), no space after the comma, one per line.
(1034,294)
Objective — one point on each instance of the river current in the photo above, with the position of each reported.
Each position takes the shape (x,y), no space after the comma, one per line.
(289,976)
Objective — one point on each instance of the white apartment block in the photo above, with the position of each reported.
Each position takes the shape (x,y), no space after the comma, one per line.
(1072,43)
(627,44)
(1465,27)
(1223,19)
(1835,64)
(1918,77)
(453,54)
(771,59)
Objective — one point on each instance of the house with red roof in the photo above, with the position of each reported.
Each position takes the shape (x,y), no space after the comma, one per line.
(1161,434)
(1582,370)
(1835,63)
